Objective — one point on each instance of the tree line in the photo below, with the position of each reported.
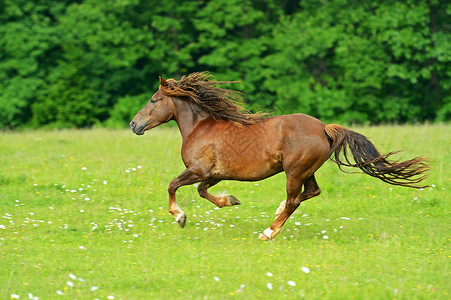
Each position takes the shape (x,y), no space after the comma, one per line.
(82,63)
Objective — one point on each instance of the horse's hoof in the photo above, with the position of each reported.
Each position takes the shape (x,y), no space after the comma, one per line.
(263,237)
(267,234)
(233,200)
(181,219)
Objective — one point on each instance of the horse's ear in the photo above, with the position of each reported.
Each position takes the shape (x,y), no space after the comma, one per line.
(163,82)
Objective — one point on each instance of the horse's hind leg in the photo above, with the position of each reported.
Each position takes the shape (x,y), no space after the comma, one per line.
(220,200)
(294,199)
(294,186)
(311,189)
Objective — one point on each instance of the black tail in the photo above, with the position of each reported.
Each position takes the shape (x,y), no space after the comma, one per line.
(406,173)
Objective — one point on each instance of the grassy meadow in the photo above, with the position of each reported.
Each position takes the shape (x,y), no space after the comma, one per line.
(83,214)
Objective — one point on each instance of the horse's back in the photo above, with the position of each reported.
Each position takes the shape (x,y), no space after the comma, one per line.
(303,123)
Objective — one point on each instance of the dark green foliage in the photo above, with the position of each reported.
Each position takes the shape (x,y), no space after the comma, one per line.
(28,47)
(363,61)
(125,109)
(80,63)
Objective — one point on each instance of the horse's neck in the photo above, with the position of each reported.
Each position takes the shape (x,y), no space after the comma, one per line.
(187,115)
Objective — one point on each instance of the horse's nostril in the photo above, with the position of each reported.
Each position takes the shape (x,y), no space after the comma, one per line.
(132,124)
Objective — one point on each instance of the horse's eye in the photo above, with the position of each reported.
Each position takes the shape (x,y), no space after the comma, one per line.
(153,100)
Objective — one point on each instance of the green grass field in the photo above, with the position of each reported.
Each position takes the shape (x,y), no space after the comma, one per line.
(83,214)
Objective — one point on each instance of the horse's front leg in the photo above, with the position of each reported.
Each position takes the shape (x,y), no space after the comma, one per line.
(219,200)
(187,177)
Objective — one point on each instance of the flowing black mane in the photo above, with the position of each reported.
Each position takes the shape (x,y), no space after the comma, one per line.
(221,103)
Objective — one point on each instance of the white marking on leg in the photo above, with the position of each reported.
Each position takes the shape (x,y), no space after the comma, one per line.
(176,212)
(268,232)
(281,207)
(222,194)
(224,199)
(179,216)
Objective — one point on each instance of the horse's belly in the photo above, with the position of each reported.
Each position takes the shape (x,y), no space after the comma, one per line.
(247,166)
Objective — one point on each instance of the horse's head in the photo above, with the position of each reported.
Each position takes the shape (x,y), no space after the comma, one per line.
(157,111)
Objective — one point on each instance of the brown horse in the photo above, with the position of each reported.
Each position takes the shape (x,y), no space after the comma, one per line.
(223,141)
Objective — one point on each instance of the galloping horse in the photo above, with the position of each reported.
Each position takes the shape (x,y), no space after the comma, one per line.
(223,141)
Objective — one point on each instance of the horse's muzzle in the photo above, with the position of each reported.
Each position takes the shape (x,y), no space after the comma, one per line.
(137,130)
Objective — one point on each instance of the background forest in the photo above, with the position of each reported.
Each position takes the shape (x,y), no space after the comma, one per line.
(66,63)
